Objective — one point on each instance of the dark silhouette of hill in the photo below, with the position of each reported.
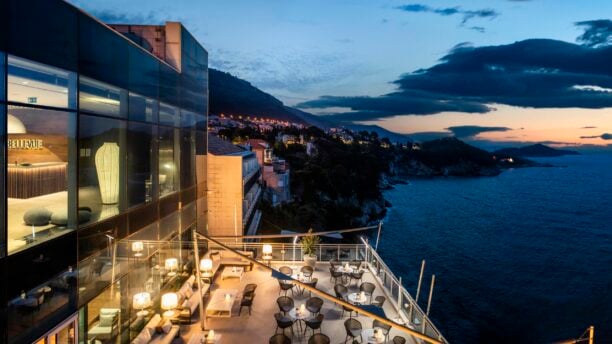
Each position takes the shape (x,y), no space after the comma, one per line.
(534,151)
(231,95)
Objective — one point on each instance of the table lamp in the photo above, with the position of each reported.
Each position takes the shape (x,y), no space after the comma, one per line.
(206,265)
(169,302)
(267,250)
(171,264)
(137,248)
(141,301)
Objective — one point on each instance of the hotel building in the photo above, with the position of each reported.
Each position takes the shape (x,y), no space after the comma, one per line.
(104,147)
(234,189)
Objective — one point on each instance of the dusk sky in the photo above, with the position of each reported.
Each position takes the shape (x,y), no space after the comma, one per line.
(481,76)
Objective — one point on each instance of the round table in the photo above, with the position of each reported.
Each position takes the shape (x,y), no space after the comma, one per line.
(299,316)
(368,336)
(345,270)
(356,298)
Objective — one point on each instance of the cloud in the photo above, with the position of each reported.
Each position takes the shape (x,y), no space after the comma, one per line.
(597,33)
(605,136)
(114,17)
(469,131)
(538,73)
(467,15)
(589,127)
(478,29)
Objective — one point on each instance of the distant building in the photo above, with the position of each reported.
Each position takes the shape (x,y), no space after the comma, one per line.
(233,189)
(276,179)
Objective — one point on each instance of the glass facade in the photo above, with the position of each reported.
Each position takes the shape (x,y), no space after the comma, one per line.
(104,145)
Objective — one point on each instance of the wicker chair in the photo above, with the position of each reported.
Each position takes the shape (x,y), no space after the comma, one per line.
(384,327)
(284,287)
(357,276)
(286,270)
(367,288)
(311,283)
(247,301)
(334,275)
(249,288)
(285,304)
(307,271)
(314,305)
(283,322)
(379,301)
(279,339)
(353,329)
(319,338)
(314,323)
(399,340)
(341,291)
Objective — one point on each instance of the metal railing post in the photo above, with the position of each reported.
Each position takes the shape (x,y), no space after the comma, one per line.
(196,251)
(338,252)
(378,234)
(416,296)
(433,282)
(399,294)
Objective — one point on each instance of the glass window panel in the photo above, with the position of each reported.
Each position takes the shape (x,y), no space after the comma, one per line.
(168,115)
(101,98)
(141,163)
(102,152)
(143,109)
(188,119)
(40,175)
(2,196)
(187,155)
(34,83)
(2,75)
(168,151)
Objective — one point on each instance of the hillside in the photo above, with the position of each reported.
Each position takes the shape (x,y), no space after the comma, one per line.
(234,96)
(534,151)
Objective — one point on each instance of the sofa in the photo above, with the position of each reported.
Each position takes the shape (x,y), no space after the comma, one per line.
(189,300)
(107,326)
(227,258)
(156,333)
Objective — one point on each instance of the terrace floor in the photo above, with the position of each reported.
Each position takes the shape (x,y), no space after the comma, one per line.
(260,325)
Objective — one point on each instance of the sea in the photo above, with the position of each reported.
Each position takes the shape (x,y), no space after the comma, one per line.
(523,257)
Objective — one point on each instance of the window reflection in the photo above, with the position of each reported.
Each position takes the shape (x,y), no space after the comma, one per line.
(101,166)
(143,109)
(34,83)
(168,177)
(168,115)
(140,163)
(40,177)
(101,98)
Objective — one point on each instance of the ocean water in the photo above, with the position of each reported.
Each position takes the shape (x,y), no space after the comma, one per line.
(522,257)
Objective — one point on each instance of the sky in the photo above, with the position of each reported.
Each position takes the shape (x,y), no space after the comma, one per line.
(487,71)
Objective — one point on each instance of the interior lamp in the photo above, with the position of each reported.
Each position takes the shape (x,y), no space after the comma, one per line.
(141,301)
(267,250)
(107,168)
(137,248)
(169,302)
(171,265)
(206,265)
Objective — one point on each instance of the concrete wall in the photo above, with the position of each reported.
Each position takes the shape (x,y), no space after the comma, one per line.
(224,195)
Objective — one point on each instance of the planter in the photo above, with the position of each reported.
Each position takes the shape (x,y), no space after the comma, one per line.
(310,260)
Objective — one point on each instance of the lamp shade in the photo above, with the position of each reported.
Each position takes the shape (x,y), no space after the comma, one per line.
(107,167)
(141,300)
(171,264)
(137,246)
(206,264)
(169,301)
(267,249)
(14,125)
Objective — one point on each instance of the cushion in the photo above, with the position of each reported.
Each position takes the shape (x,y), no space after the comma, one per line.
(186,304)
(60,218)
(84,216)
(143,338)
(37,217)
(160,325)
(191,280)
(215,256)
(108,311)
(107,320)
(167,326)
(188,293)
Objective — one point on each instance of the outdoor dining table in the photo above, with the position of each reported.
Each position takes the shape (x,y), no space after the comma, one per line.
(298,314)
(372,337)
(357,298)
(299,277)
